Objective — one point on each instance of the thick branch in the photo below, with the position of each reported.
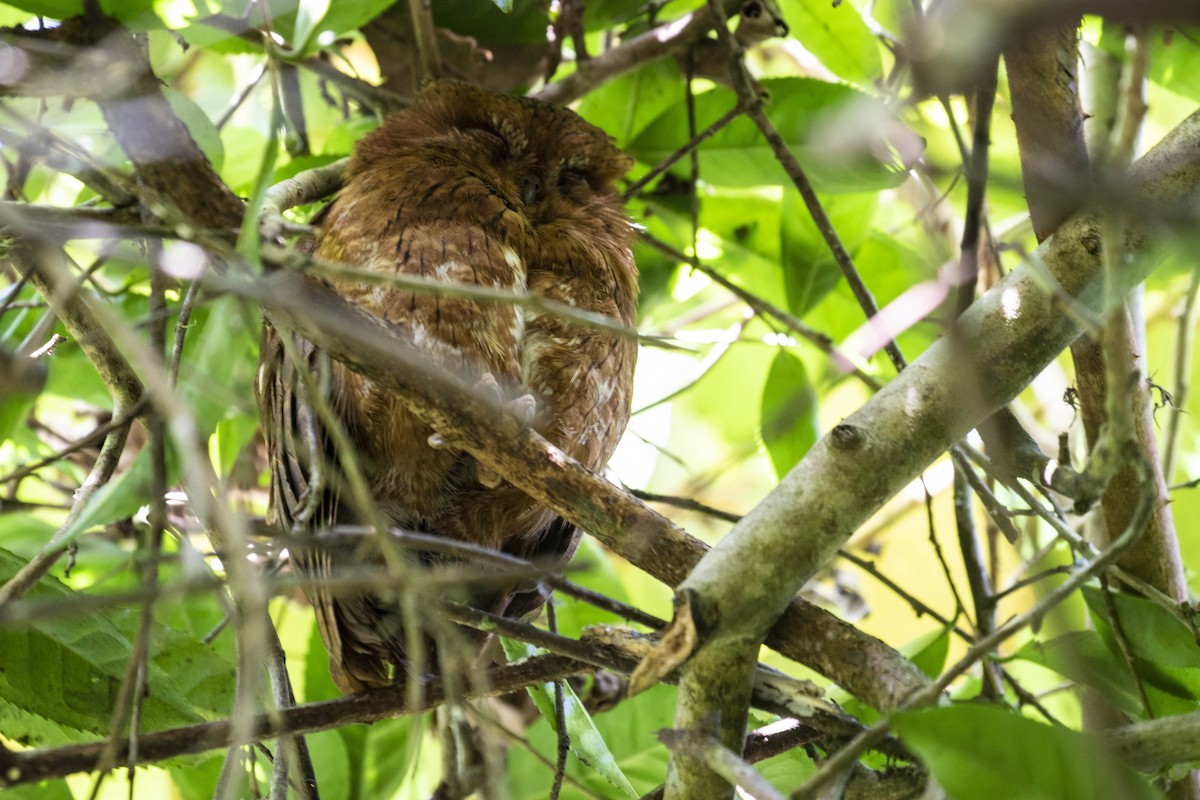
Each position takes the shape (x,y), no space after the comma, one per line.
(1013,332)
(168,161)
(862,664)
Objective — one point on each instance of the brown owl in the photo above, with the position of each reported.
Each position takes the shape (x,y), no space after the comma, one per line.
(472,187)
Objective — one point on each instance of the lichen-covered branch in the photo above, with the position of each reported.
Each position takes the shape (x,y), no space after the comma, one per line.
(1014,330)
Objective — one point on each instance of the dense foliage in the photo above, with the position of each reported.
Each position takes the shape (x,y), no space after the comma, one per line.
(115,606)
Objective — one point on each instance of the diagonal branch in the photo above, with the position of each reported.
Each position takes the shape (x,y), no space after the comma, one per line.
(1013,331)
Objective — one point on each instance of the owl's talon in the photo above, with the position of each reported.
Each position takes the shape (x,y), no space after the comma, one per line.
(488,385)
(523,410)
(487,476)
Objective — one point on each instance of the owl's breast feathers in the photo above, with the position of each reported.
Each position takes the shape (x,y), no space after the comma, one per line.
(470,187)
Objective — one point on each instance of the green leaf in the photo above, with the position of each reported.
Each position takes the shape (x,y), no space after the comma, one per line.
(309,15)
(812,116)
(789,412)
(46,790)
(59,675)
(495,22)
(331,764)
(623,107)
(215,385)
(1083,657)
(809,269)
(119,498)
(981,753)
(392,760)
(15,407)
(586,742)
(739,236)
(198,781)
(787,770)
(123,10)
(1152,632)
(1165,654)
(629,729)
(1174,61)
(929,651)
(837,35)
(344,17)
(199,126)
(227,442)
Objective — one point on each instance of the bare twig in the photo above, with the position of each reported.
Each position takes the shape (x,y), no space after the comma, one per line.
(664,40)
(753,105)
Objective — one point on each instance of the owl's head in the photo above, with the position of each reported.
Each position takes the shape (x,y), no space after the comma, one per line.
(539,157)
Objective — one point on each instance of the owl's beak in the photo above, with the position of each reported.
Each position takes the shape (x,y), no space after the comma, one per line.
(532,190)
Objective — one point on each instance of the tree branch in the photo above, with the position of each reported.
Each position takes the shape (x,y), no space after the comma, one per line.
(1014,330)
(18,768)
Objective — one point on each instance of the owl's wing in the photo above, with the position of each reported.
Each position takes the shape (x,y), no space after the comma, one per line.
(304,499)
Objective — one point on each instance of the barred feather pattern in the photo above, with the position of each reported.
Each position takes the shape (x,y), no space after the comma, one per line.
(471,187)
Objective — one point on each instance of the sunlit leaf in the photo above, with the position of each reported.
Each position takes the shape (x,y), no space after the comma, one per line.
(59,675)
(837,35)
(837,133)
(809,269)
(586,741)
(981,753)
(929,652)
(629,730)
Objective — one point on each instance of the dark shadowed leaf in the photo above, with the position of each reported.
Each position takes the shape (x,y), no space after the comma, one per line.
(789,412)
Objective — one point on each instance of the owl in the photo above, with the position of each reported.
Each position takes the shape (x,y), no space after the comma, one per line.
(472,187)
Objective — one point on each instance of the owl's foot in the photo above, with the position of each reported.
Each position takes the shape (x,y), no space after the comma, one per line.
(522,411)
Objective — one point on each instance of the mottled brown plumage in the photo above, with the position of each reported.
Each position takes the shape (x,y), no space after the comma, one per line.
(472,187)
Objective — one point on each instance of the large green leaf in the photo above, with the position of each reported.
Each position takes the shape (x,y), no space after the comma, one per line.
(46,790)
(837,35)
(1152,632)
(587,743)
(739,236)
(1083,657)
(629,729)
(623,107)
(59,676)
(524,21)
(400,760)
(809,269)
(811,116)
(981,753)
(215,386)
(1165,655)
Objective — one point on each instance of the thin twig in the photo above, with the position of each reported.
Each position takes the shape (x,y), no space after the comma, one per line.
(754,108)
(1185,341)
(693,143)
